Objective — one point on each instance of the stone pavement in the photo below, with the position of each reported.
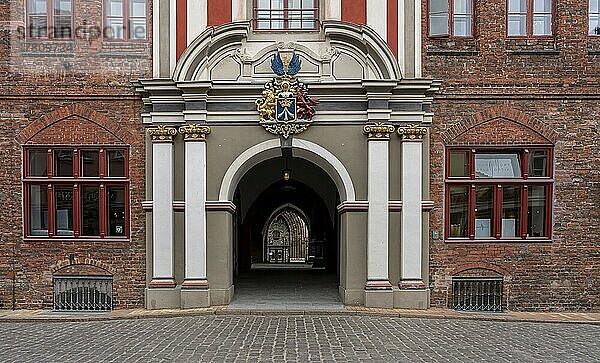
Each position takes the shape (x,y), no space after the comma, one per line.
(590,318)
(301,338)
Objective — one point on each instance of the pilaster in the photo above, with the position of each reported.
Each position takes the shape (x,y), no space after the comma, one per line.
(413,290)
(195,288)
(161,292)
(378,290)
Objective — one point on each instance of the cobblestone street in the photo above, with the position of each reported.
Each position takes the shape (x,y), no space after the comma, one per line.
(297,338)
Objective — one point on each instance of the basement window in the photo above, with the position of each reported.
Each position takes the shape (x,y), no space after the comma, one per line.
(83,293)
(477,294)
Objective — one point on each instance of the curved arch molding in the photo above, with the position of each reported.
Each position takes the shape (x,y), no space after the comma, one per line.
(304,149)
(232,47)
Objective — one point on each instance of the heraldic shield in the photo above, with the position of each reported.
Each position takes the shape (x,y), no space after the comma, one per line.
(285,108)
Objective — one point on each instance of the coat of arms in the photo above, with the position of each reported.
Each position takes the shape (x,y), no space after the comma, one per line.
(285,108)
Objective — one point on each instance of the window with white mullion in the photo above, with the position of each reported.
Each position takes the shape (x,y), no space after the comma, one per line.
(277,16)
(62,18)
(463,18)
(438,17)
(38,18)
(114,19)
(542,17)
(126,19)
(517,17)
(594,17)
(50,19)
(137,19)
(263,14)
(285,14)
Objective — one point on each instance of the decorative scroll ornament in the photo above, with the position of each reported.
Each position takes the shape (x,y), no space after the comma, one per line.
(194,132)
(285,108)
(162,133)
(412,133)
(378,131)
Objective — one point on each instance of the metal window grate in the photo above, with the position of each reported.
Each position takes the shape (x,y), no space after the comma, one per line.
(477,293)
(82,293)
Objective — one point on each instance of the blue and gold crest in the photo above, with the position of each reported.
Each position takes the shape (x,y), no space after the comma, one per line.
(285,108)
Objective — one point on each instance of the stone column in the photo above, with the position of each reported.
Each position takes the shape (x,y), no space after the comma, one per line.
(413,290)
(194,290)
(378,290)
(163,277)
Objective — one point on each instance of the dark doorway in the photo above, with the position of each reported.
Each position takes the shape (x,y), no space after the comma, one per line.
(287,230)
(260,219)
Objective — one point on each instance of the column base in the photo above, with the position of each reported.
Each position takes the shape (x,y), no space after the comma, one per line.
(163,298)
(412,295)
(379,294)
(195,294)
(355,297)
(221,296)
(191,299)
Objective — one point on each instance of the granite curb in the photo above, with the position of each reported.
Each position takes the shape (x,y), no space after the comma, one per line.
(531,317)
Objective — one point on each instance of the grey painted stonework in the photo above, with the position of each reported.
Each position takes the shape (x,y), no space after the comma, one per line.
(357,80)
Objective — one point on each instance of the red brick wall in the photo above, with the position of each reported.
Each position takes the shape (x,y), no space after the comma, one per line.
(535,86)
(35,261)
(68,92)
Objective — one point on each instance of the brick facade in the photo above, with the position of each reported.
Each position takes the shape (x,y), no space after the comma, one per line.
(69,92)
(500,91)
(496,91)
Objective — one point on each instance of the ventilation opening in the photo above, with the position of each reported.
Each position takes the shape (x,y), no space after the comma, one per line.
(82,293)
(477,293)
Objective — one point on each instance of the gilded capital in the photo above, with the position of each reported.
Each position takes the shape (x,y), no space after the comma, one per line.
(378,131)
(162,133)
(194,132)
(412,133)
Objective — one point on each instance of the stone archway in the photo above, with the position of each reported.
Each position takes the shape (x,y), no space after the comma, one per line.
(307,150)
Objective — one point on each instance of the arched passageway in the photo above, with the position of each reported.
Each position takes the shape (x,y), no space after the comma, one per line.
(286,248)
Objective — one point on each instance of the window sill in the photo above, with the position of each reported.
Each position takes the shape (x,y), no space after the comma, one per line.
(494,240)
(62,239)
(452,46)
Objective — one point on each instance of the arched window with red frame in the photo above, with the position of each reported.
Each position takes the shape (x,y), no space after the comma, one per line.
(76,192)
(495,194)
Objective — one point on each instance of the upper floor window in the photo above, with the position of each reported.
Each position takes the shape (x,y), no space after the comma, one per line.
(76,192)
(451,18)
(594,14)
(125,19)
(286,14)
(50,19)
(529,17)
(496,194)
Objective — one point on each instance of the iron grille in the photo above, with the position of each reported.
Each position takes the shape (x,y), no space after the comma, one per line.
(82,293)
(477,293)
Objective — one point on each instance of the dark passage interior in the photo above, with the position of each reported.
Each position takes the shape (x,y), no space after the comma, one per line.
(286,249)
